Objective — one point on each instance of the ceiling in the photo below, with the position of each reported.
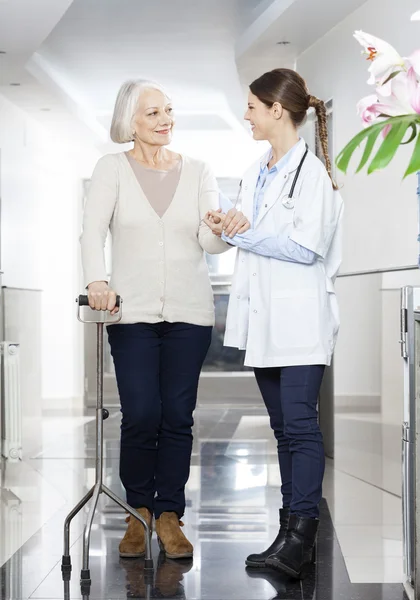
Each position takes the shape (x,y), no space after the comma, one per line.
(70,57)
(286,30)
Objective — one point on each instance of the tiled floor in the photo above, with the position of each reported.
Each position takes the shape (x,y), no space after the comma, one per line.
(232,510)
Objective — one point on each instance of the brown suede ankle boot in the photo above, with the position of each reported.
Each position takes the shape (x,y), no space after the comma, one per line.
(170,537)
(133,544)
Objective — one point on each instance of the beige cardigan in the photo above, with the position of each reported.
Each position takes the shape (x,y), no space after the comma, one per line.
(158,264)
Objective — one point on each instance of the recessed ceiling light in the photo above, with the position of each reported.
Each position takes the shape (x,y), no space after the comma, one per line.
(3,52)
(283,43)
(45,109)
(15,84)
(416,16)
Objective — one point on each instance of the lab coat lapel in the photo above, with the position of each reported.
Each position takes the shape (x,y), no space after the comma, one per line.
(272,194)
(281,183)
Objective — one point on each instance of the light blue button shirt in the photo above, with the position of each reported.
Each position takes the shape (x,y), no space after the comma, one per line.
(279,247)
(266,176)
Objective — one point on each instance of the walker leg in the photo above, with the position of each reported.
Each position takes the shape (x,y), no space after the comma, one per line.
(66,560)
(148,563)
(85,573)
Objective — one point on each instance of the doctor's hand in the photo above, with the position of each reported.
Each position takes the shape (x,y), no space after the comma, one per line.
(232,223)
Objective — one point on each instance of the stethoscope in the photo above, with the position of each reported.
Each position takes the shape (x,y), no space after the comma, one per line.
(288,200)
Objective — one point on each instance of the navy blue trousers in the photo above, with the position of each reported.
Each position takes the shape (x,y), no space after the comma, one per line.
(157,368)
(291,396)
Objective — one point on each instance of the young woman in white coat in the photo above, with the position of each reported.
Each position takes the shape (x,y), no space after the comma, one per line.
(283,309)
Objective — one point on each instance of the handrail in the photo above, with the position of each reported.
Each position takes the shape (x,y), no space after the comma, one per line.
(20,289)
(378,271)
(228,282)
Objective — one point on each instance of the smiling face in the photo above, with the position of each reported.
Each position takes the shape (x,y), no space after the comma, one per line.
(261,117)
(153,121)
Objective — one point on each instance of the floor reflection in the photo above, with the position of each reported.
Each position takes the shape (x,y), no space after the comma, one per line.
(232,510)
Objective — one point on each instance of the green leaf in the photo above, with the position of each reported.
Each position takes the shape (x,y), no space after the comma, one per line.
(394,74)
(414,164)
(344,157)
(412,136)
(389,146)
(368,148)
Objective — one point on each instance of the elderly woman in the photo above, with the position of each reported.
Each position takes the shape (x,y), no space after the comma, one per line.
(154,202)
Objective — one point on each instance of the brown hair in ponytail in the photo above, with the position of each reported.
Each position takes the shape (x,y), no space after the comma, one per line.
(288,88)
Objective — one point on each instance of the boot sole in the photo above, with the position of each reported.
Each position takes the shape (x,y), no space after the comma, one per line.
(174,556)
(282,568)
(255,565)
(132,555)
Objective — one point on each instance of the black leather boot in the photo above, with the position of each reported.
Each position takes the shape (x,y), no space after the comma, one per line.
(295,556)
(257,561)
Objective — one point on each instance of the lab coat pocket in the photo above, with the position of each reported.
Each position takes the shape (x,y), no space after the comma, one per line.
(295,318)
(284,216)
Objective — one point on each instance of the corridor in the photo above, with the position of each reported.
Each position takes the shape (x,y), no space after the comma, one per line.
(232,500)
(62,64)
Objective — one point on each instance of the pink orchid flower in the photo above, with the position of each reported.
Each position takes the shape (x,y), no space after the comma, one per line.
(367,109)
(414,90)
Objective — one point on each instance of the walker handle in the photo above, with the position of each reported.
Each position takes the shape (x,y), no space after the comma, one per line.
(84,301)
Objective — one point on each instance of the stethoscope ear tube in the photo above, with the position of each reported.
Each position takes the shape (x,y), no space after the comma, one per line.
(296,177)
(292,189)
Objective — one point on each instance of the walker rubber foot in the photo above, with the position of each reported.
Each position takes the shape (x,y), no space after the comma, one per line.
(85,577)
(148,564)
(85,590)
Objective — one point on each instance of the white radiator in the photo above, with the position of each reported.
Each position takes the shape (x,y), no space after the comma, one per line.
(10,402)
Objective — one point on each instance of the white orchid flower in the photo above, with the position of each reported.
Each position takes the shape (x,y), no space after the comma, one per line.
(399,97)
(385,59)
(413,87)
(414,61)
(403,99)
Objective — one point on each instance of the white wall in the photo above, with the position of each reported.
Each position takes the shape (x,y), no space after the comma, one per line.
(380,209)
(357,361)
(41,186)
(207,145)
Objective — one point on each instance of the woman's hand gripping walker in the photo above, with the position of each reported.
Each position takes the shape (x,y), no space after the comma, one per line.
(99,487)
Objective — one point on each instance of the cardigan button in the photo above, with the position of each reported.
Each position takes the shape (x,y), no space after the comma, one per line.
(160,243)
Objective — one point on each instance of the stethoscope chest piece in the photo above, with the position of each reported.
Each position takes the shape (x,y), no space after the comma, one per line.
(288,202)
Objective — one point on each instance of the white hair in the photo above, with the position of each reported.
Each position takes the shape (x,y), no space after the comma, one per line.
(126,107)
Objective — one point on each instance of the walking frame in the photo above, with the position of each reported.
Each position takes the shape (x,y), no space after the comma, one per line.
(99,487)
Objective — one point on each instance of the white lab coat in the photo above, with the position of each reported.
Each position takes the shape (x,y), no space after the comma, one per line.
(284,313)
